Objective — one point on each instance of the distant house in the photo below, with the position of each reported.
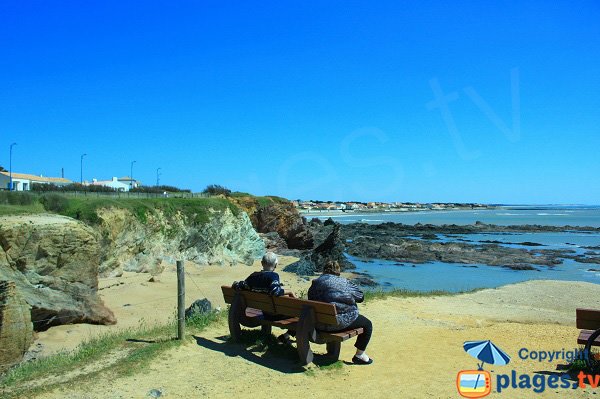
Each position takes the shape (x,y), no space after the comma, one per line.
(23,181)
(132,183)
(115,183)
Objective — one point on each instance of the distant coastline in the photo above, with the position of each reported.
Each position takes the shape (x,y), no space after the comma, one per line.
(370,212)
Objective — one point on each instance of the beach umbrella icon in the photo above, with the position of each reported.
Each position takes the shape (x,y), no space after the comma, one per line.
(487,352)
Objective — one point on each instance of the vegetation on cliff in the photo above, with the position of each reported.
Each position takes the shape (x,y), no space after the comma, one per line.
(86,208)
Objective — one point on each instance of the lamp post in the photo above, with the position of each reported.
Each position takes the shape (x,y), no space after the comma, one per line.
(10,167)
(131,174)
(158,176)
(81,165)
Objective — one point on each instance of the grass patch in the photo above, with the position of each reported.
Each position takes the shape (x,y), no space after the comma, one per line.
(142,344)
(195,210)
(404,293)
(21,209)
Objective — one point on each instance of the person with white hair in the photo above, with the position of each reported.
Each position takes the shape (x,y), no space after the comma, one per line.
(267,281)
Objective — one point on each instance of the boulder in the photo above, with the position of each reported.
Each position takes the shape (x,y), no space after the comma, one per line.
(53,262)
(16,330)
(284,219)
(199,307)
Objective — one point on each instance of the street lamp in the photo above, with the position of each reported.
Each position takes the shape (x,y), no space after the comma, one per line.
(131,174)
(81,177)
(157,176)
(10,167)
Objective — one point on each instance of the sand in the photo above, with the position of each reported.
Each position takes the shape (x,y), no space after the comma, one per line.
(417,343)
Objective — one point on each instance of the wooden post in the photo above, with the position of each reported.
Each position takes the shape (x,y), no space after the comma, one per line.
(180,300)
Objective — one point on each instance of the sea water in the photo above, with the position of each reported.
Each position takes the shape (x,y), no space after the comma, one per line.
(460,277)
(504,216)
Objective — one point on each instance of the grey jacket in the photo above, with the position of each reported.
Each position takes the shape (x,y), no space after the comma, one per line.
(340,292)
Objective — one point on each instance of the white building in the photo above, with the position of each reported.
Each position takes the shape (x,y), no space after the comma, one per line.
(23,181)
(115,183)
(132,183)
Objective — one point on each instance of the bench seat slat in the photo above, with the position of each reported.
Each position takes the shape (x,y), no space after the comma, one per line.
(340,336)
(584,335)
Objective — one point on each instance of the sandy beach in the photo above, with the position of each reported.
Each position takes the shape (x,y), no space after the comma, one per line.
(417,344)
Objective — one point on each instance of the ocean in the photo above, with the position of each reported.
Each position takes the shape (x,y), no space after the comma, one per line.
(460,277)
(573,215)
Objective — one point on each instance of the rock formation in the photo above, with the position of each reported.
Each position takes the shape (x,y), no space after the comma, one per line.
(53,261)
(16,330)
(130,245)
(330,249)
(284,219)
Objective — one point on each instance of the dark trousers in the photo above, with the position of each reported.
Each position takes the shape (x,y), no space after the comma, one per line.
(363,339)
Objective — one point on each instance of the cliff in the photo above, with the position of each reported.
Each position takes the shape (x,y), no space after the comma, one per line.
(53,261)
(131,244)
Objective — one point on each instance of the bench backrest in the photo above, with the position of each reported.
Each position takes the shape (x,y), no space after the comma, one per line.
(283,305)
(588,319)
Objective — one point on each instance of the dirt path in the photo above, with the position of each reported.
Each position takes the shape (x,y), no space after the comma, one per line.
(417,345)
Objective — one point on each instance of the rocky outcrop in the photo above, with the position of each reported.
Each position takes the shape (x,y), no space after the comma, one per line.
(53,262)
(284,219)
(16,330)
(130,245)
(313,261)
(273,242)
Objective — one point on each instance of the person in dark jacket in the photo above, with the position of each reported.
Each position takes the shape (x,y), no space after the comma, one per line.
(267,281)
(332,288)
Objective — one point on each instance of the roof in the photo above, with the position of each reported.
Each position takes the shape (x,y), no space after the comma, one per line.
(34,178)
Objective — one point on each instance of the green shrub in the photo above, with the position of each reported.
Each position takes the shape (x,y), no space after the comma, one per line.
(17,198)
(215,189)
(54,203)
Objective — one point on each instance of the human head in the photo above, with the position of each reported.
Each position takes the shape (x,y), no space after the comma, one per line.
(332,267)
(269,261)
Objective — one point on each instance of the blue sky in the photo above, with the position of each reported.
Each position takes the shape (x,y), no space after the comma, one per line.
(313,100)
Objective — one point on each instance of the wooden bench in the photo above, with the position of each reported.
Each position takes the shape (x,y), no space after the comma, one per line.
(247,309)
(588,320)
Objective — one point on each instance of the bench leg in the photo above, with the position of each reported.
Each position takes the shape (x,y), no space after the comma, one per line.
(235,311)
(588,347)
(305,333)
(266,329)
(333,350)
(304,352)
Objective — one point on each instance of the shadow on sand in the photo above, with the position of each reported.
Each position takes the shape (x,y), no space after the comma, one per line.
(278,357)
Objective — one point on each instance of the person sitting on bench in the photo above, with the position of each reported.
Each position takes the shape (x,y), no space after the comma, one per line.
(267,281)
(332,288)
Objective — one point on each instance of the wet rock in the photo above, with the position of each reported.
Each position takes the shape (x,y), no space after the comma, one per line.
(329,222)
(364,281)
